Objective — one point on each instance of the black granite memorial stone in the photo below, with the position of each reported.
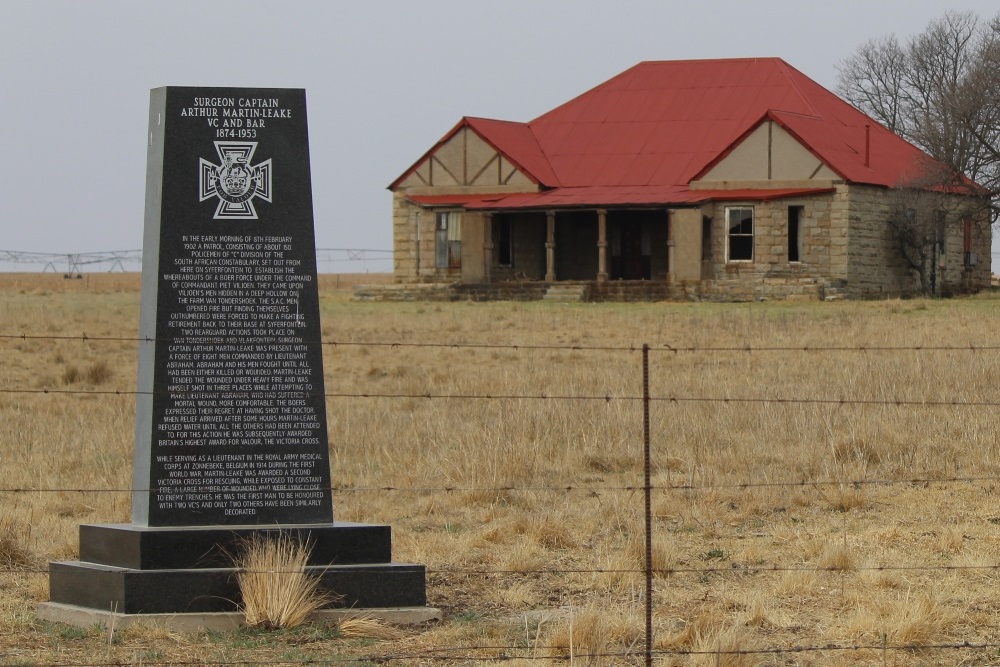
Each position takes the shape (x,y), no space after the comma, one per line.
(231,423)
(231,437)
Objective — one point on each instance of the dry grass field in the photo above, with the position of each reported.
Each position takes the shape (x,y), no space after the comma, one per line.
(854,514)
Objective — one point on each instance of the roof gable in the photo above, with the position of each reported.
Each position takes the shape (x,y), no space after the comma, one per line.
(765,153)
(469,155)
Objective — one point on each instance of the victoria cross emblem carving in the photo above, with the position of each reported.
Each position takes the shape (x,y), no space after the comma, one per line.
(235,182)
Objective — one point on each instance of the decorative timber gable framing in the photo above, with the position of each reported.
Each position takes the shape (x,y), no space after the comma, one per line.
(465,159)
(767,156)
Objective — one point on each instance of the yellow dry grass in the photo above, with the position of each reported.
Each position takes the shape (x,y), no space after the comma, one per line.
(368,628)
(855,509)
(276,588)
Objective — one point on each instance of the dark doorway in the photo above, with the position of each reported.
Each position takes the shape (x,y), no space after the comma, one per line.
(576,245)
(634,263)
(519,246)
(632,235)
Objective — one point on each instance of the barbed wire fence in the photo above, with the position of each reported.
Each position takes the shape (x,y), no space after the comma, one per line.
(651,573)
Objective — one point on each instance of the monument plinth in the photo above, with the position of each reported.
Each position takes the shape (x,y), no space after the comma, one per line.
(231,434)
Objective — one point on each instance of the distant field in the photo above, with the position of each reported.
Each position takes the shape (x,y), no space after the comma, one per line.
(857,507)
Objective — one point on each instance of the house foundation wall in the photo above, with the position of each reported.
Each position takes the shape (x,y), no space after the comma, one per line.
(717,291)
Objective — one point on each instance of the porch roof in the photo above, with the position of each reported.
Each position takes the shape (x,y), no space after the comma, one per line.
(466,200)
(612,196)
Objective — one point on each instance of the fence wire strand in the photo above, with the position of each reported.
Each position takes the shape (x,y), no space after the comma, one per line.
(636,348)
(592,491)
(607,397)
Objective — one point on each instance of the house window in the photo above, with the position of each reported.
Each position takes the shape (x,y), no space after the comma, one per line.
(794,233)
(942,222)
(739,222)
(448,240)
(503,233)
(970,257)
(706,239)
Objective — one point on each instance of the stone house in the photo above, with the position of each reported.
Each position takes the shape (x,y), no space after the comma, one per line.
(728,179)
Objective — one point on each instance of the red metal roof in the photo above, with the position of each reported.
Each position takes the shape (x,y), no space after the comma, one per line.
(643,135)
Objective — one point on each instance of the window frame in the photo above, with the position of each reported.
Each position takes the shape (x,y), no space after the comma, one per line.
(795,234)
(729,235)
(448,240)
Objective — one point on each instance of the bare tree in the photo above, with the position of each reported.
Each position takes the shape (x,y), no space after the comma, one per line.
(923,220)
(979,108)
(940,90)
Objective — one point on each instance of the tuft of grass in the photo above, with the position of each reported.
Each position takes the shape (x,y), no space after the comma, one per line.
(836,556)
(369,628)
(597,635)
(909,619)
(98,373)
(951,540)
(277,592)
(14,551)
(70,375)
(919,620)
(725,647)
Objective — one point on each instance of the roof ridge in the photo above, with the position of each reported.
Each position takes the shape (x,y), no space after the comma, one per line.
(493,120)
(786,71)
(715,60)
(795,113)
(553,110)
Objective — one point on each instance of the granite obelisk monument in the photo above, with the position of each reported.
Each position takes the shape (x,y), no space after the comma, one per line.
(231,419)
(231,432)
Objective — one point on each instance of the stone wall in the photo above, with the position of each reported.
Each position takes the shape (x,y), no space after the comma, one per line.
(719,291)
(412,292)
(502,291)
(404,240)
(413,238)
(876,268)
(822,241)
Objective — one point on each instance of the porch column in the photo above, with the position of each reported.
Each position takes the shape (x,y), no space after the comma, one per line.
(670,249)
(602,245)
(487,247)
(550,246)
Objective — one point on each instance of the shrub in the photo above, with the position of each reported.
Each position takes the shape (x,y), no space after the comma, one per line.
(277,591)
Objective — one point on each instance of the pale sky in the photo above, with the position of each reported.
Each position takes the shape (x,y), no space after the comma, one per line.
(384,80)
